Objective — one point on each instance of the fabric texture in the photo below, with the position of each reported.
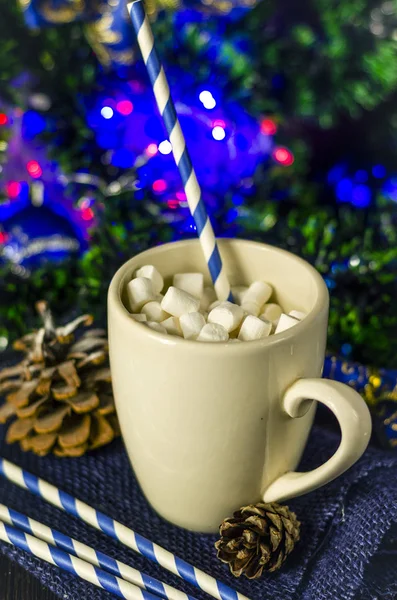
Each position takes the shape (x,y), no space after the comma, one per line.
(347,551)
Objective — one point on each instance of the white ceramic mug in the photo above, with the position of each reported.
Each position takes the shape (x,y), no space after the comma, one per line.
(210,427)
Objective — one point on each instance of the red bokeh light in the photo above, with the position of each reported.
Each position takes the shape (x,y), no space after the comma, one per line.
(173,204)
(125,107)
(151,150)
(268,127)
(3,119)
(3,237)
(283,156)
(181,196)
(160,185)
(34,169)
(87,214)
(13,189)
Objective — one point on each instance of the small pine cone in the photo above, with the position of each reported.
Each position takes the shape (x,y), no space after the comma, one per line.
(257,538)
(60,395)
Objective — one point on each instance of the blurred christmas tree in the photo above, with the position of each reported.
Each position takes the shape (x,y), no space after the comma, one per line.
(292,106)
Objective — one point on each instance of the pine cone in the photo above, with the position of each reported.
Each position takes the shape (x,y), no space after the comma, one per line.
(257,538)
(61,392)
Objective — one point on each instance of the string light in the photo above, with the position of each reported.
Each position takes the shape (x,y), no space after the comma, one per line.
(173,204)
(159,186)
(87,214)
(107,112)
(379,171)
(344,190)
(361,176)
(207,99)
(13,189)
(268,127)
(218,133)
(283,156)
(361,196)
(165,147)
(34,169)
(84,202)
(3,119)
(125,107)
(151,150)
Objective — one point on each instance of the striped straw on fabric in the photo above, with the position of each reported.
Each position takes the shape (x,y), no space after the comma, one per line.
(117,531)
(182,158)
(95,557)
(76,566)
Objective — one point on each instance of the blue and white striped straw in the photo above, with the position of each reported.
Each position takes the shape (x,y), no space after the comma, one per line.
(95,557)
(182,158)
(119,532)
(76,566)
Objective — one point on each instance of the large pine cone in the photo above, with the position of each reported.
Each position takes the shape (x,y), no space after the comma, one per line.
(61,393)
(257,538)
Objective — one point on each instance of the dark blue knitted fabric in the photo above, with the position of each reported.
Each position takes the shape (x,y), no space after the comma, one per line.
(348,547)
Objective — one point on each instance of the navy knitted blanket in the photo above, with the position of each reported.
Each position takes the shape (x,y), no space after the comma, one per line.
(347,551)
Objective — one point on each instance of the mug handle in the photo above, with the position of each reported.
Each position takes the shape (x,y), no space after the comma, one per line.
(355,424)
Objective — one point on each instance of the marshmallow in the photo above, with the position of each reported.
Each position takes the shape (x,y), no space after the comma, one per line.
(285,322)
(251,308)
(213,332)
(159,297)
(154,312)
(172,326)
(214,305)
(192,283)
(227,314)
(234,340)
(238,292)
(139,317)
(156,326)
(208,297)
(271,312)
(258,292)
(191,325)
(177,302)
(150,272)
(254,329)
(297,314)
(140,292)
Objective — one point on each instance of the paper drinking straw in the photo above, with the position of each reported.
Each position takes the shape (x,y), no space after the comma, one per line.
(117,531)
(95,557)
(76,566)
(182,158)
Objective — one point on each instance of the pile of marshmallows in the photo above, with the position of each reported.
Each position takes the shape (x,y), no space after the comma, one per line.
(190,310)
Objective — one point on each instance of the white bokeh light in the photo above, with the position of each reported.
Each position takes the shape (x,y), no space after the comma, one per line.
(218,133)
(165,147)
(107,112)
(207,99)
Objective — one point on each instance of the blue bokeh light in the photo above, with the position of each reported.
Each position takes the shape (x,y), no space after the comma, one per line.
(361,196)
(361,176)
(336,173)
(32,124)
(379,171)
(344,190)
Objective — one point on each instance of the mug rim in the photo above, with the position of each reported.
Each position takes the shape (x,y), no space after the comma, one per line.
(118,281)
